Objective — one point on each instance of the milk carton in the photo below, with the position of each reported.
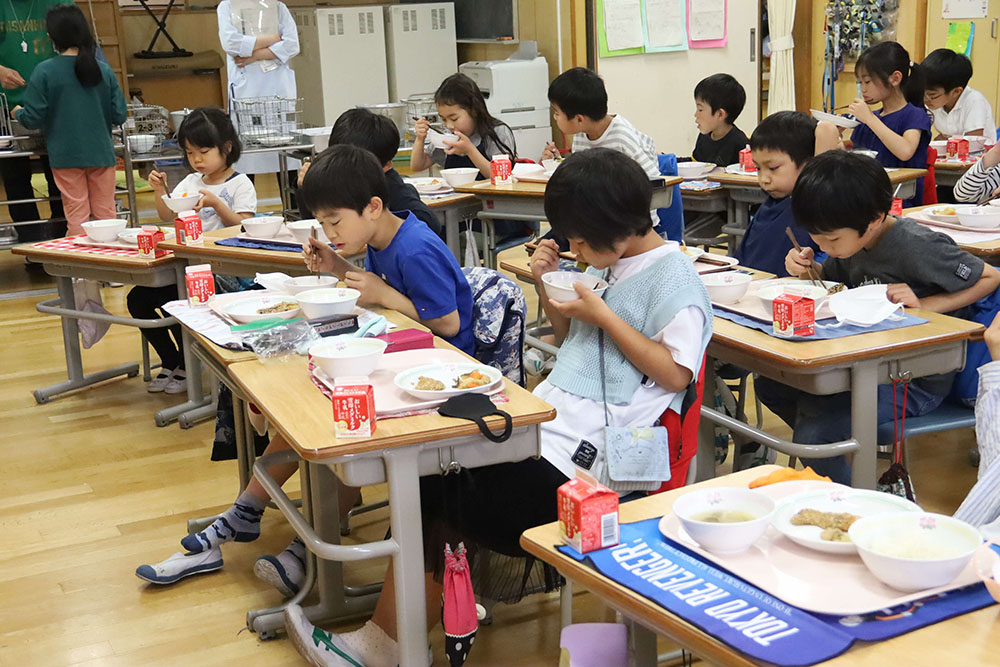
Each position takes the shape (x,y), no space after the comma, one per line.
(794,315)
(200,284)
(147,240)
(500,170)
(353,407)
(188,227)
(588,514)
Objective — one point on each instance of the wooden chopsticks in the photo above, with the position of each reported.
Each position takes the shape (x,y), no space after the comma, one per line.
(813,277)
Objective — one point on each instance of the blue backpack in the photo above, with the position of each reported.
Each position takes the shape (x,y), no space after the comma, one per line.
(672,218)
(966,384)
(499,312)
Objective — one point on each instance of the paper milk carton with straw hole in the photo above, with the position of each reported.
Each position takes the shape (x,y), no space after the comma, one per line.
(147,241)
(588,514)
(353,407)
(200,284)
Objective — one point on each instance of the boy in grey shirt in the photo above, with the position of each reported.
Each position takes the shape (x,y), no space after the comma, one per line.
(843,200)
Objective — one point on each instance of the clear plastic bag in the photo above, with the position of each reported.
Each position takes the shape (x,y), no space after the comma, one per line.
(278,340)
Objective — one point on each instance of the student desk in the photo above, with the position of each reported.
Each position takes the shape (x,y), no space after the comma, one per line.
(401,450)
(744,191)
(65,265)
(967,639)
(988,250)
(246,262)
(453,210)
(947,172)
(855,363)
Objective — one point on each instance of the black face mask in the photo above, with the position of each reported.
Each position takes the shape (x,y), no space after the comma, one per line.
(475,407)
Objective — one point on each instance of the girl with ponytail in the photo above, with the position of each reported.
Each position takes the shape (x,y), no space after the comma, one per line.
(75,100)
(901,130)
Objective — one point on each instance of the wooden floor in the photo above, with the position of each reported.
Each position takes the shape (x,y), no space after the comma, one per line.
(91,489)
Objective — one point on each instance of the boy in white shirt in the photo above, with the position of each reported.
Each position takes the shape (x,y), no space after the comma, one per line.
(957,109)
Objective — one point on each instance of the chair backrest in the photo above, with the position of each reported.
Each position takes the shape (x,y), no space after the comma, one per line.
(671,218)
(682,432)
(930,182)
(499,312)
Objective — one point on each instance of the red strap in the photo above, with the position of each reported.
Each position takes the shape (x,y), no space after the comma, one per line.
(899,421)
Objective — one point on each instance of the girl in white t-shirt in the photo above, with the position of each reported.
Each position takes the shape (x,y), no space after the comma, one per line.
(211,146)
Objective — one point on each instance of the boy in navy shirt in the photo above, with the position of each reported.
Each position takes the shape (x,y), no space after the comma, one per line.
(407,268)
(781,144)
(378,134)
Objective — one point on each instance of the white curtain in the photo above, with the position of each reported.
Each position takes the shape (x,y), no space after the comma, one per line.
(781,92)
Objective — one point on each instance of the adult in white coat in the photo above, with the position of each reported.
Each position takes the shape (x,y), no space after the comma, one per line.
(257,64)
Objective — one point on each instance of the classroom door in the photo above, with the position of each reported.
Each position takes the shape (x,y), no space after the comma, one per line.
(655,91)
(985,48)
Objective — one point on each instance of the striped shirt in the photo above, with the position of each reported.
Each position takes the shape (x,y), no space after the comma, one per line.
(978,183)
(622,136)
(982,505)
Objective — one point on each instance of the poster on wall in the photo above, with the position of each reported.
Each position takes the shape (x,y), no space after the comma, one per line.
(623,24)
(663,21)
(965,9)
(706,23)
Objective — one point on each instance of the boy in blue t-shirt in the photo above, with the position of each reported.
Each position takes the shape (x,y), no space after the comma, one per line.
(407,268)
(781,144)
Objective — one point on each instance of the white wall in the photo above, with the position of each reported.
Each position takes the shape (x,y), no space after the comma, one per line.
(655,91)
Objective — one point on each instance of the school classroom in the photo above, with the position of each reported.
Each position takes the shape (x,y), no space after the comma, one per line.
(589,333)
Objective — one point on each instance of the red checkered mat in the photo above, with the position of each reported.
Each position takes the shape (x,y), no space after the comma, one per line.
(69,244)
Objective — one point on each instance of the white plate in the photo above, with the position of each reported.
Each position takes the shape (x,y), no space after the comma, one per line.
(244,311)
(839,121)
(428,186)
(446,373)
(693,252)
(854,501)
(933,214)
(128,237)
(737,169)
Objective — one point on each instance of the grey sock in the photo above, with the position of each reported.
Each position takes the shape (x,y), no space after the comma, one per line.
(239,523)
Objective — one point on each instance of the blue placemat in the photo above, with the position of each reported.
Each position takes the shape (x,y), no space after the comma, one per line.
(258,245)
(745,617)
(823,329)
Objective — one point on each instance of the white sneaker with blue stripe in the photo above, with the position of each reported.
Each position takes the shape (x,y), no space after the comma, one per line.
(181,565)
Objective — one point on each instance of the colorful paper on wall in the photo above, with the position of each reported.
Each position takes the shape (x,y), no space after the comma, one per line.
(603,49)
(623,24)
(663,23)
(707,23)
(959,37)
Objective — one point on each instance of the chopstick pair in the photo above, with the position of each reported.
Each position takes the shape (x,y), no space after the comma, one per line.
(813,277)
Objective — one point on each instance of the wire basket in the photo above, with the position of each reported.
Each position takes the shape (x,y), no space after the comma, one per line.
(13,135)
(146,127)
(267,121)
(418,106)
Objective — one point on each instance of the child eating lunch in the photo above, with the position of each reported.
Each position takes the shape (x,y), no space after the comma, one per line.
(408,269)
(653,323)
(843,199)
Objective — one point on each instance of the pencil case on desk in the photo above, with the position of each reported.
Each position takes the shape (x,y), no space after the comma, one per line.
(407,339)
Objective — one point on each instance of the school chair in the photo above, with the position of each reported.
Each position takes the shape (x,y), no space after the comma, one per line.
(930,183)
(682,428)
(671,218)
(946,417)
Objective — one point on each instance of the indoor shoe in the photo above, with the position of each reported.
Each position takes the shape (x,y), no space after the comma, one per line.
(160,382)
(316,645)
(181,565)
(177,384)
(284,572)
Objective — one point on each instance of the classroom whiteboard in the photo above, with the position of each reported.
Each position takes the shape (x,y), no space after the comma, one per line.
(655,91)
